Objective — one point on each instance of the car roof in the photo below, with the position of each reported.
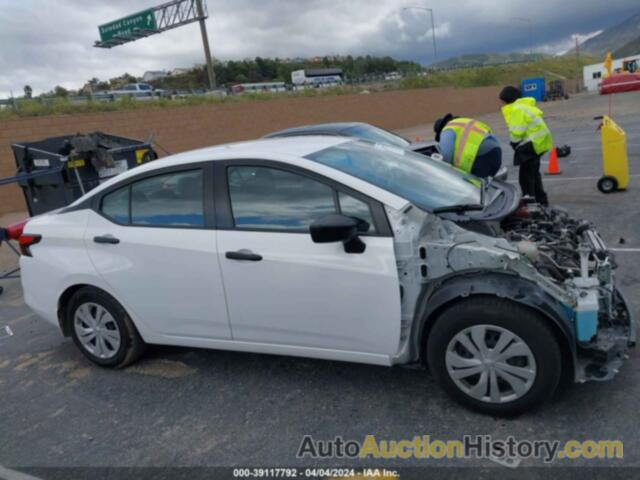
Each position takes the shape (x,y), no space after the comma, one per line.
(319,128)
(256,149)
(294,146)
(292,150)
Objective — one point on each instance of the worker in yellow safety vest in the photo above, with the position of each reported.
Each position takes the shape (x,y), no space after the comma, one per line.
(530,139)
(468,145)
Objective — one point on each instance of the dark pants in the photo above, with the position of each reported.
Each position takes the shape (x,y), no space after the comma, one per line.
(488,164)
(531,180)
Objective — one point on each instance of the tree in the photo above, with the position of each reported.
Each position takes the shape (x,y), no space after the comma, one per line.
(121,81)
(261,69)
(241,78)
(60,91)
(28,91)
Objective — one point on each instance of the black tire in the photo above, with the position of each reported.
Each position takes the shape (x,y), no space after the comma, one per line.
(607,184)
(131,345)
(530,326)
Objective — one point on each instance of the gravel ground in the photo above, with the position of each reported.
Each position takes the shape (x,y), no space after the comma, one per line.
(190,407)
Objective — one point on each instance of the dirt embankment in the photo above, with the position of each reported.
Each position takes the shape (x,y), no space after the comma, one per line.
(185,128)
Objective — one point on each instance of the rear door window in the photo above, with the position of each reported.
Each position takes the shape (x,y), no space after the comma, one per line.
(115,205)
(169,200)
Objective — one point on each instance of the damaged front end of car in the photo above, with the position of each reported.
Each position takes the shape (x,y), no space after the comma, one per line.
(573,255)
(539,257)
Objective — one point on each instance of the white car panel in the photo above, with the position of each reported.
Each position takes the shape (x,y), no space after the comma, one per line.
(62,256)
(272,349)
(312,295)
(169,277)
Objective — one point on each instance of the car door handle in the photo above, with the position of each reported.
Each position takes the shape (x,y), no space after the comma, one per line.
(106,239)
(243,255)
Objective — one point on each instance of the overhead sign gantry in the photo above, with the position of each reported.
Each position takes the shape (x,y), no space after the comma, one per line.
(157,20)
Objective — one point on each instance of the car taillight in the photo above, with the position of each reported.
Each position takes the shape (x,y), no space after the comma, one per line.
(15,230)
(26,241)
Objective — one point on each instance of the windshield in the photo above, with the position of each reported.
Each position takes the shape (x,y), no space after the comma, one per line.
(425,182)
(375,134)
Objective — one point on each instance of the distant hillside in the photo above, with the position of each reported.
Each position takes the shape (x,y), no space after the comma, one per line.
(614,39)
(551,68)
(483,59)
(631,48)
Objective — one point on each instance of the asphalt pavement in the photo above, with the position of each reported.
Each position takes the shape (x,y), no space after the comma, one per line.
(191,407)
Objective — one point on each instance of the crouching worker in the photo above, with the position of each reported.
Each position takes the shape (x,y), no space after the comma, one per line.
(530,139)
(468,145)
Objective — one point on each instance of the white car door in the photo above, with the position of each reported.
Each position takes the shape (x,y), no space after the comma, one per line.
(284,289)
(153,243)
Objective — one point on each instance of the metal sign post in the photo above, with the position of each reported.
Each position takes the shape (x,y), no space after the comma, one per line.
(205,42)
(158,19)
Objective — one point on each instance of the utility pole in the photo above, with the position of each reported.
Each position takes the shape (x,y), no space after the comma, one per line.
(205,42)
(433,28)
(433,33)
(578,64)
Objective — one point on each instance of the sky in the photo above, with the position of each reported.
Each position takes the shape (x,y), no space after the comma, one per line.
(44,43)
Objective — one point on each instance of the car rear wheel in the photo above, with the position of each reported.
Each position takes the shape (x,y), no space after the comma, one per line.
(102,330)
(494,356)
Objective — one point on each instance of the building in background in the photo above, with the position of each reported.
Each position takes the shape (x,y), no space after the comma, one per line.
(180,71)
(152,75)
(593,75)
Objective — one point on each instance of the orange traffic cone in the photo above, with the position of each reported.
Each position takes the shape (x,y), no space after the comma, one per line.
(554,167)
(418,138)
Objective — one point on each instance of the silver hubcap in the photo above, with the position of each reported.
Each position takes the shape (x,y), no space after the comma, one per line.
(490,364)
(97,330)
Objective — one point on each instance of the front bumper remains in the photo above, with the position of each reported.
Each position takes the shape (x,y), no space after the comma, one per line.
(601,359)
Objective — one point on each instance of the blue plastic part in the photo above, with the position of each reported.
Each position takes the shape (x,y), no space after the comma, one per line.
(533,87)
(586,325)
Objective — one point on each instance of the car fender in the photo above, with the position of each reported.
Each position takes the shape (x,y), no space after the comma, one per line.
(442,292)
(95,281)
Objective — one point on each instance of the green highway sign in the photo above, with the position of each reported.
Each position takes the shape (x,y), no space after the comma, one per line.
(126,26)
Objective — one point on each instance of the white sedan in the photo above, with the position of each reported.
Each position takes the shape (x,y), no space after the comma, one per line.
(331,248)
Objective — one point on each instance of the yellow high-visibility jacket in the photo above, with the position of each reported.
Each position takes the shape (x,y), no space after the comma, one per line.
(526,124)
(469,135)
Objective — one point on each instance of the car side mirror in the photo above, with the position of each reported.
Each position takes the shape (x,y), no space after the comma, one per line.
(339,228)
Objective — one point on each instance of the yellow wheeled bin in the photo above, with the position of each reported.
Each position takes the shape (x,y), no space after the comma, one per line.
(615,163)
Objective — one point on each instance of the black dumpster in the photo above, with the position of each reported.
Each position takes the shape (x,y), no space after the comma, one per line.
(55,172)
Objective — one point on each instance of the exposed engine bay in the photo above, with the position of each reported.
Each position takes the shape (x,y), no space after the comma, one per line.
(565,258)
(572,253)
(555,242)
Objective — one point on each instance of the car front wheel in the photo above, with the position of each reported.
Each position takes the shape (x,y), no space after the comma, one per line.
(102,330)
(494,356)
